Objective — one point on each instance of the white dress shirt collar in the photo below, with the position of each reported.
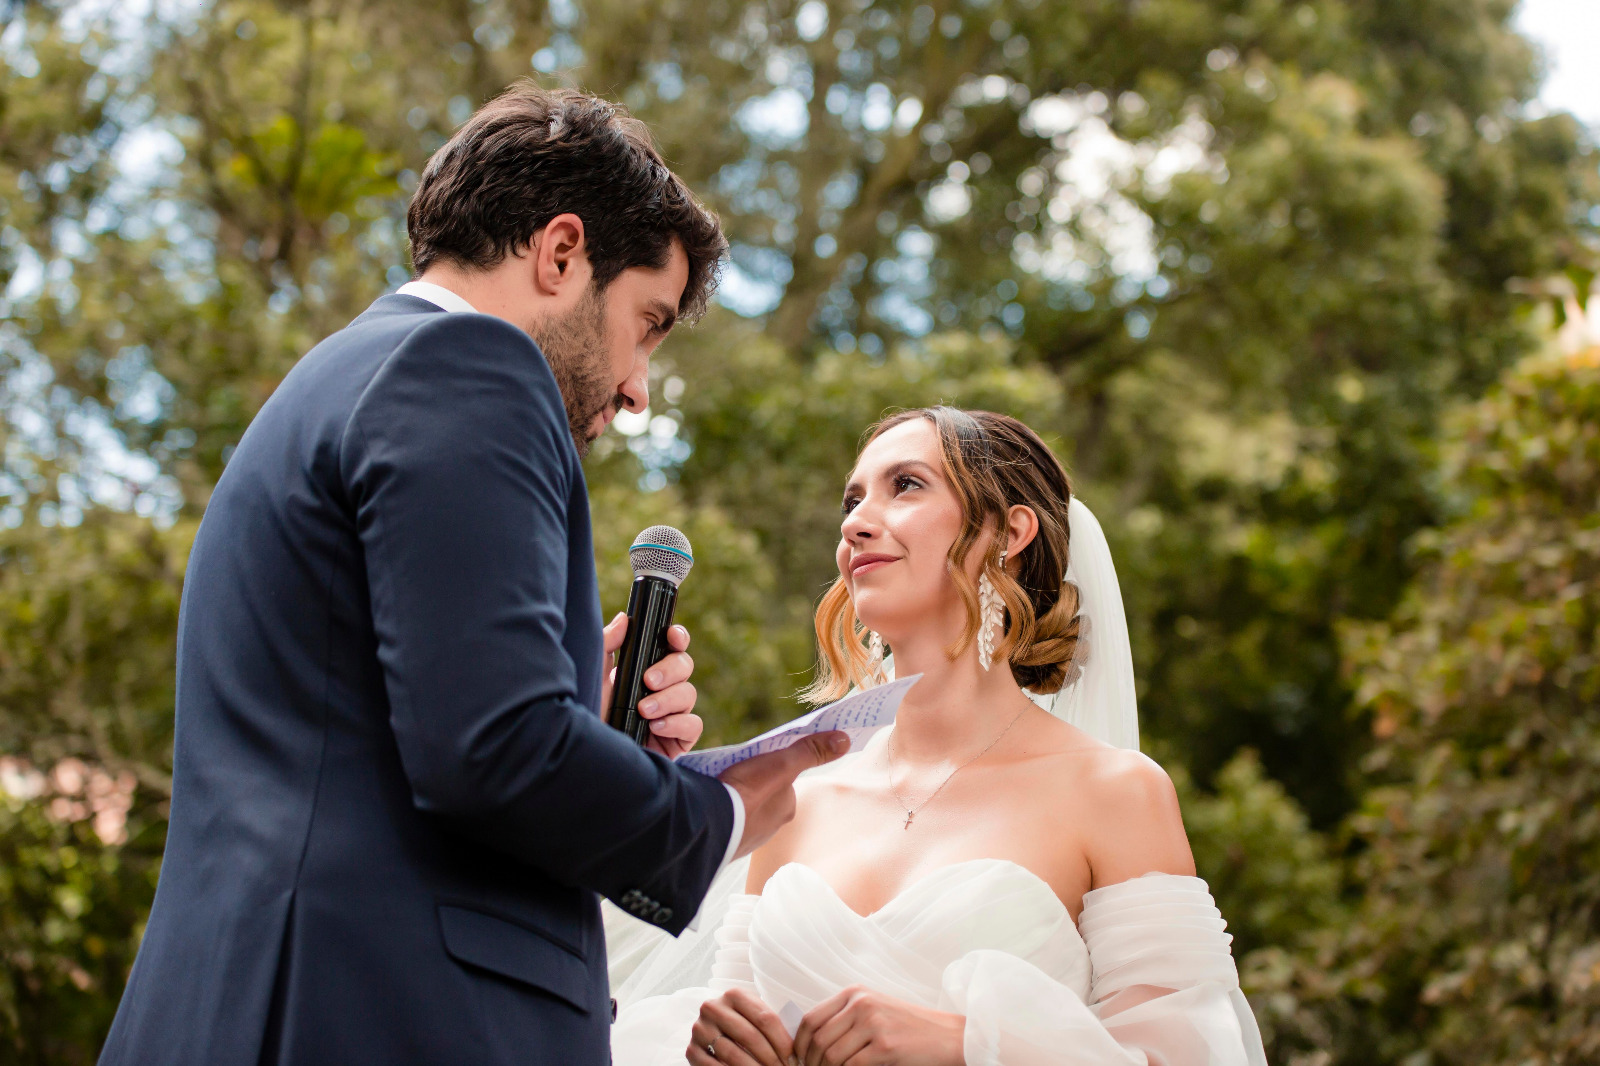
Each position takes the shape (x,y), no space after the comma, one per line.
(437,295)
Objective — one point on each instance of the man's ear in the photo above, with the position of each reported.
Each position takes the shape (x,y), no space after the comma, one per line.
(560,256)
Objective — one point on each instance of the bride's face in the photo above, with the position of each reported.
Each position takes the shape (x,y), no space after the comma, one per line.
(901,515)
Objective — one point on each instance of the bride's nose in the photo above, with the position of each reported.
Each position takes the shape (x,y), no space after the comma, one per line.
(858,526)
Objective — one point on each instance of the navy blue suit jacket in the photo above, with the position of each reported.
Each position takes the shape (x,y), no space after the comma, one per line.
(393,801)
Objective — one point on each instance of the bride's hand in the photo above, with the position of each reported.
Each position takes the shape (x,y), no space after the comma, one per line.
(737,1029)
(866,1028)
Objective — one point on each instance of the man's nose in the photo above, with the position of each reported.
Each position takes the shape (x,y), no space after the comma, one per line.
(635,390)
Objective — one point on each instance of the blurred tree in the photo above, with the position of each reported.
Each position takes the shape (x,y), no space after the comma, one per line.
(1273,876)
(1258,245)
(1232,258)
(1477,939)
(76,877)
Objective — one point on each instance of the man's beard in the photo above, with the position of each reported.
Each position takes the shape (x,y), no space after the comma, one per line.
(574,345)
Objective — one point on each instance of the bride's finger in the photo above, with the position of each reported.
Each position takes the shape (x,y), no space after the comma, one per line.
(839,1037)
(818,1016)
(728,1054)
(753,1047)
(848,1046)
(763,1018)
(709,1046)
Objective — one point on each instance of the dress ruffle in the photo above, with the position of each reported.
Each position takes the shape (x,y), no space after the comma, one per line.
(1145,978)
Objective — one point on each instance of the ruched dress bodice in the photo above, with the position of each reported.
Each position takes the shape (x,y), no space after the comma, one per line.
(1145,976)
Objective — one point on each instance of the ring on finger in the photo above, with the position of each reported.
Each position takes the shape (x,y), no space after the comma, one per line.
(711,1048)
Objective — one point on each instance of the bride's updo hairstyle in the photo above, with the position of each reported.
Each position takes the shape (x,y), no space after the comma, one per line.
(994,463)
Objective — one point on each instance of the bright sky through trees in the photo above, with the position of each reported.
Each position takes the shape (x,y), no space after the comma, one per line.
(1569,30)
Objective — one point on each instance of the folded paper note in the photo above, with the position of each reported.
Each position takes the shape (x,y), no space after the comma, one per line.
(860,716)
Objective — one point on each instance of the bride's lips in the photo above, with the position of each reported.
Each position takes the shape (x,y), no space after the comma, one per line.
(869,561)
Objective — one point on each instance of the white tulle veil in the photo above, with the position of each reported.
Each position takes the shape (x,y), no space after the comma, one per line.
(1097,697)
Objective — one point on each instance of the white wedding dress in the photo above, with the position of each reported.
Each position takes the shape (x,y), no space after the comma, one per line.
(1145,976)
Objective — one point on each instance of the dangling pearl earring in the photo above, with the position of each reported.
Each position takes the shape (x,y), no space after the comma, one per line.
(875,660)
(991,616)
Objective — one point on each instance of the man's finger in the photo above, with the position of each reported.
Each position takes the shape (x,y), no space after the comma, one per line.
(683,726)
(768,770)
(678,699)
(817,749)
(677,638)
(669,671)
(615,632)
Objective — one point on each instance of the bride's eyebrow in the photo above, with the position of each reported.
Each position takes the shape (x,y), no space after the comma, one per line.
(904,466)
(910,466)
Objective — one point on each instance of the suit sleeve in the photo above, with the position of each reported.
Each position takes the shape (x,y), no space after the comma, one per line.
(460,468)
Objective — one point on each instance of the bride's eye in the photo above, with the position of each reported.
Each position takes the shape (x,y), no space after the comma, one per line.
(849,504)
(906,481)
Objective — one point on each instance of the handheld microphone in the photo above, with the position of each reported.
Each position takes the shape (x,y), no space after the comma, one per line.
(661,559)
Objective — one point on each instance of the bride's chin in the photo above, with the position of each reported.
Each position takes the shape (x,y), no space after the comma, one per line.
(884,622)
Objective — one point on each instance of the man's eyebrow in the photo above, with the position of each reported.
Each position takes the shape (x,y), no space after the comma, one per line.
(665,313)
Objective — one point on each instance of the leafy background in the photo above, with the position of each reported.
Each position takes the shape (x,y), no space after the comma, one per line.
(1279,280)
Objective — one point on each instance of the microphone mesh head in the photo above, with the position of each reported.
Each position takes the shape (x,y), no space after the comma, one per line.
(663,551)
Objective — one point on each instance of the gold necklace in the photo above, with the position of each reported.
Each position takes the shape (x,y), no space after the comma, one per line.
(911,812)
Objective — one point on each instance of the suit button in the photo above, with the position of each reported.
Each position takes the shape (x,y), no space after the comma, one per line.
(663,916)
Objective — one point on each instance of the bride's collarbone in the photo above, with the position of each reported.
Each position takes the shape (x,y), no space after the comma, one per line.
(1039,805)
(870,855)
(868,888)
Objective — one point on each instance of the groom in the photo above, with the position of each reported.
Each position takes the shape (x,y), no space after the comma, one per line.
(394,806)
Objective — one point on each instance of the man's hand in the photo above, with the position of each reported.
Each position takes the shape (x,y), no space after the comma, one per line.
(766,783)
(674,727)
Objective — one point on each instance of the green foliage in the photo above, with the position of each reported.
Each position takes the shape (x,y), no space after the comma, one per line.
(66,900)
(1235,261)
(1478,932)
(1272,875)
(88,634)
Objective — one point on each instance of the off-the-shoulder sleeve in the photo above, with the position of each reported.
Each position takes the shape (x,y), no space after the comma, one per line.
(1165,991)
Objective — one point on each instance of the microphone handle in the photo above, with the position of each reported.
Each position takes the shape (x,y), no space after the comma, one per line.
(650,605)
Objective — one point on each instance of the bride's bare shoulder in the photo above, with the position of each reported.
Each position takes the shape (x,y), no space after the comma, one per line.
(1133,824)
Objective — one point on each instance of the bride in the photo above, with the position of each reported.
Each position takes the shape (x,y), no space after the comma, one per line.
(1001,879)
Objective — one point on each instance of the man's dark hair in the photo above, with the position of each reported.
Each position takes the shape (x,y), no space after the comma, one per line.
(531,154)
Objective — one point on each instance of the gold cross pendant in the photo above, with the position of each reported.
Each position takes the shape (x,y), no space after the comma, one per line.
(909,815)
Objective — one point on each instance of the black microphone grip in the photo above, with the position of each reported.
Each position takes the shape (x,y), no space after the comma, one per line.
(650,604)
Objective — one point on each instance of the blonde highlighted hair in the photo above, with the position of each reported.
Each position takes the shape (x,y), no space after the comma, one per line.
(993,463)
